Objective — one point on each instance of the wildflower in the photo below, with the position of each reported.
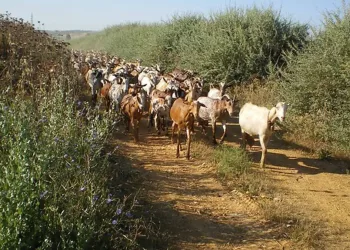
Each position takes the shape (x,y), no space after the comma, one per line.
(65,156)
(73,160)
(79,103)
(128,214)
(82,189)
(119,211)
(114,222)
(78,166)
(94,134)
(137,202)
(109,200)
(42,195)
(95,198)
(56,139)
(6,108)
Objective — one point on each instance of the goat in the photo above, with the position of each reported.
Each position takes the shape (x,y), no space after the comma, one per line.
(159,109)
(215,110)
(183,115)
(118,90)
(216,93)
(195,89)
(166,83)
(255,120)
(105,94)
(149,83)
(131,107)
(163,106)
(94,78)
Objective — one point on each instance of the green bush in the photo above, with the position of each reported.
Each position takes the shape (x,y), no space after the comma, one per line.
(229,45)
(231,162)
(58,187)
(317,85)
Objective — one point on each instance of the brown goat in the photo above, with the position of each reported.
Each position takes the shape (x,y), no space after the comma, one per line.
(183,115)
(105,94)
(132,109)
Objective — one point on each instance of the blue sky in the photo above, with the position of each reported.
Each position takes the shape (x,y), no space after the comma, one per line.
(96,15)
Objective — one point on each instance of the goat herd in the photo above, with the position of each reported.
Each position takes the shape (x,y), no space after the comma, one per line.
(128,88)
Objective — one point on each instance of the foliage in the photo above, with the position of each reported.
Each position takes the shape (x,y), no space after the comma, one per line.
(231,162)
(131,41)
(318,87)
(58,186)
(229,45)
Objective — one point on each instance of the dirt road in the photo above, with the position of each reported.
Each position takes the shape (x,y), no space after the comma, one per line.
(199,213)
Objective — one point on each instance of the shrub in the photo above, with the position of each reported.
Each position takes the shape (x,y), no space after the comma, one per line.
(58,188)
(229,45)
(317,85)
(231,162)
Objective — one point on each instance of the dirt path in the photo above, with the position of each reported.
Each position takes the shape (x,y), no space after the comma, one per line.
(319,189)
(193,207)
(200,214)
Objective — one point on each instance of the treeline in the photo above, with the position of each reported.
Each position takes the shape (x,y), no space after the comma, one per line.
(231,45)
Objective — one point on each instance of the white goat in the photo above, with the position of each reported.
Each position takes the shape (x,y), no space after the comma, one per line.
(216,93)
(148,83)
(255,120)
(160,111)
(118,90)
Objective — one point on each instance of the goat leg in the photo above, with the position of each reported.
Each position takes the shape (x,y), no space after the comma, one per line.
(188,132)
(214,129)
(263,142)
(127,123)
(166,126)
(173,127)
(150,119)
(243,145)
(224,134)
(178,144)
(94,100)
(136,130)
(108,103)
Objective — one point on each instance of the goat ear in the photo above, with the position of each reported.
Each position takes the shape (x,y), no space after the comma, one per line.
(272,112)
(225,97)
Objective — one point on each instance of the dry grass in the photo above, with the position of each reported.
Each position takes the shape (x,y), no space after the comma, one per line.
(304,233)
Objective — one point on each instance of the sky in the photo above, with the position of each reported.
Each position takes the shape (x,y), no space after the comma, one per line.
(97,15)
